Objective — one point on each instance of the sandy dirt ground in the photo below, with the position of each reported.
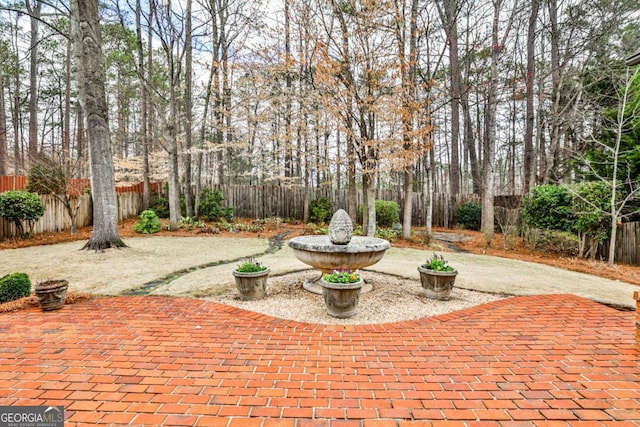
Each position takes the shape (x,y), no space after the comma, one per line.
(163,260)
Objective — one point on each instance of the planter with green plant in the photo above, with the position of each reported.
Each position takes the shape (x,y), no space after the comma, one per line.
(437,277)
(251,280)
(341,292)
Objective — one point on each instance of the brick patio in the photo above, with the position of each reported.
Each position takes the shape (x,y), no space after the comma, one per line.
(544,360)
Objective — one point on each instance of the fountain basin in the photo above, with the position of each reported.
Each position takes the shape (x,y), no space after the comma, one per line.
(321,254)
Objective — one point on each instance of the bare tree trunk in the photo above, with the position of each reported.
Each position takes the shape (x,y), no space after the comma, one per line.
(172,152)
(150,104)
(144,119)
(188,113)
(351,178)
(288,140)
(3,128)
(369,204)
(66,124)
(15,121)
(91,70)
(554,134)
(470,145)
(528,179)
(34,13)
(490,141)
(450,18)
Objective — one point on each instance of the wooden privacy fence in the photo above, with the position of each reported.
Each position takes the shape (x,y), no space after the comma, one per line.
(77,186)
(263,201)
(628,243)
(55,216)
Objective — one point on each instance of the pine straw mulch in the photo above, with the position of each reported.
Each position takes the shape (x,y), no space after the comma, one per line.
(32,301)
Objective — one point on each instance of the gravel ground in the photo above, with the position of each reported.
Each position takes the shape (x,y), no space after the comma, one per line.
(392,299)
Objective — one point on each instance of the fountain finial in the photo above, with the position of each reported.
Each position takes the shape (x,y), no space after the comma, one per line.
(340,228)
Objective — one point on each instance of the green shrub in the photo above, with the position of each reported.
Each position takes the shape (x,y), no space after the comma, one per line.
(591,205)
(189,223)
(211,207)
(387,213)
(14,286)
(558,243)
(548,207)
(321,210)
(387,233)
(160,205)
(148,223)
(469,215)
(17,206)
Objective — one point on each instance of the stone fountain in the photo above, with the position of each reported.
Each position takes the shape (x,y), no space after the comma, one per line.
(339,250)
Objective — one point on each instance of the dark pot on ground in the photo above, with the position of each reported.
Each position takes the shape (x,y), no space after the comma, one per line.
(251,286)
(52,294)
(437,284)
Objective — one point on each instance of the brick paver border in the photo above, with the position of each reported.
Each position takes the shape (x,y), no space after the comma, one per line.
(539,360)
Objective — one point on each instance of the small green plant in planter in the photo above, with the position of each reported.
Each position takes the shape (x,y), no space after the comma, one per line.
(437,277)
(251,266)
(251,279)
(148,223)
(347,276)
(437,263)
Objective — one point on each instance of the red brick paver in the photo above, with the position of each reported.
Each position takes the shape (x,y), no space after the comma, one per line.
(543,360)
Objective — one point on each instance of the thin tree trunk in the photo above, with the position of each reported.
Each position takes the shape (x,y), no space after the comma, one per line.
(149,146)
(66,124)
(288,140)
(144,119)
(489,143)
(15,113)
(450,19)
(351,178)
(187,105)
(554,134)
(528,179)
(3,128)
(34,13)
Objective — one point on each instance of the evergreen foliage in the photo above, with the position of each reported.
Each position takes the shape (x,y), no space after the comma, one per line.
(14,286)
(321,210)
(469,215)
(211,207)
(18,206)
(387,213)
(548,207)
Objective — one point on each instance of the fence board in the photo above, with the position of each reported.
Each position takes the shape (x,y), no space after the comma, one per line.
(55,217)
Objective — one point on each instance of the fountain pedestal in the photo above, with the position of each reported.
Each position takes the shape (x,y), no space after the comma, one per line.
(320,253)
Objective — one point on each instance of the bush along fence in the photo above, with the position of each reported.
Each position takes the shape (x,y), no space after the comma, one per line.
(55,216)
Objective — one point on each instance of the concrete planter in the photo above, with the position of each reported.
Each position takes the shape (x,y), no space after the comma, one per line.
(341,299)
(437,284)
(251,286)
(52,294)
